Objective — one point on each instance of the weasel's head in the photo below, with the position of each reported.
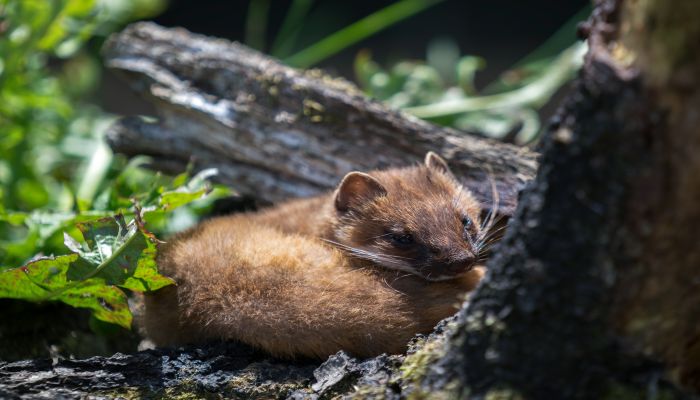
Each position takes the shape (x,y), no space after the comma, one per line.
(417,219)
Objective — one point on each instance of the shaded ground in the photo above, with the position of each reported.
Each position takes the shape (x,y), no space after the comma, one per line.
(32,330)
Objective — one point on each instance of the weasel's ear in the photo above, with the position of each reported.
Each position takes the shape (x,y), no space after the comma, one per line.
(355,189)
(437,163)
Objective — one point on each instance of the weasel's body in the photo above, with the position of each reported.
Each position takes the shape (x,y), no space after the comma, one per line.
(338,272)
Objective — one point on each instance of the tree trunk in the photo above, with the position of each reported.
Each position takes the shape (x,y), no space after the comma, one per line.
(597,279)
(592,294)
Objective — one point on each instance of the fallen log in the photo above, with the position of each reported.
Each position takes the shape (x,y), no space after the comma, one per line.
(275,132)
(216,370)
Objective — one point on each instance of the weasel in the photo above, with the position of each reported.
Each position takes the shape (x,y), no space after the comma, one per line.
(385,256)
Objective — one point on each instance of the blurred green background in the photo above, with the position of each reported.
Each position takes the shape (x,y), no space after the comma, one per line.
(488,67)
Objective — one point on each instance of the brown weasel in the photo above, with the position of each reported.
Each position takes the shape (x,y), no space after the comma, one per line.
(363,269)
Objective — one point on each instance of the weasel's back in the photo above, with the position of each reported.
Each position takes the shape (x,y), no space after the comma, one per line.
(288,294)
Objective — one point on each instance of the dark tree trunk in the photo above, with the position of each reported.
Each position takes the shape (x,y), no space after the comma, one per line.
(598,277)
(594,292)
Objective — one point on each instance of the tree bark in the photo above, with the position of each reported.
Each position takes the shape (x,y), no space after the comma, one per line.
(593,293)
(275,132)
(596,282)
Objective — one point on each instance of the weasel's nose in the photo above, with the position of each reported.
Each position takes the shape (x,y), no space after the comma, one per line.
(461,263)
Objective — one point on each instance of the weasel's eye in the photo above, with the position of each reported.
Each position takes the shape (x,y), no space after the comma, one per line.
(467,222)
(403,239)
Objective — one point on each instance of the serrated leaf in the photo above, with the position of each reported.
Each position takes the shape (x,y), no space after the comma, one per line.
(101,234)
(35,280)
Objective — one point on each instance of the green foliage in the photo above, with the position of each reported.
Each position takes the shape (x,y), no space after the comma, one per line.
(113,254)
(72,213)
(359,30)
(442,88)
(58,179)
(286,37)
(47,134)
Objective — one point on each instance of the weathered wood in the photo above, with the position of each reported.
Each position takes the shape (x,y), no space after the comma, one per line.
(156,374)
(216,370)
(275,132)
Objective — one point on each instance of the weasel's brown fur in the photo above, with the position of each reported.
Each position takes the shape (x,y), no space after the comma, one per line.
(311,277)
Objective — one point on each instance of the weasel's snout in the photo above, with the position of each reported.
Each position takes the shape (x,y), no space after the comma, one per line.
(463,264)
(452,266)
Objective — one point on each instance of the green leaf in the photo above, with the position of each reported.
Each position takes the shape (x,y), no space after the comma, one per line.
(35,280)
(535,94)
(46,280)
(115,254)
(467,68)
(108,303)
(174,199)
(14,218)
(195,189)
(124,255)
(289,30)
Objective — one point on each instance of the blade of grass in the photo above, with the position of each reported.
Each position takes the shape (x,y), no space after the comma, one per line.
(357,31)
(535,93)
(94,173)
(564,37)
(287,35)
(256,23)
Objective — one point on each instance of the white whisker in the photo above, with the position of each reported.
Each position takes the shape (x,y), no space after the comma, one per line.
(392,262)
(379,236)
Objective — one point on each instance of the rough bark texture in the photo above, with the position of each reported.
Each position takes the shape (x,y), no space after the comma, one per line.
(229,370)
(593,294)
(658,306)
(275,132)
(596,282)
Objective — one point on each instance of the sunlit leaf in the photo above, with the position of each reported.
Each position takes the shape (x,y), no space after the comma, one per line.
(14,218)
(122,254)
(195,189)
(46,280)
(115,254)
(108,303)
